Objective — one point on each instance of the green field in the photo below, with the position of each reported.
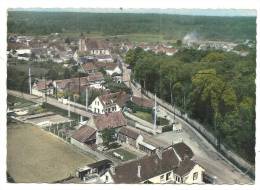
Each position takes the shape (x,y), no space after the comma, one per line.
(148,117)
(36,156)
(126,154)
(15,102)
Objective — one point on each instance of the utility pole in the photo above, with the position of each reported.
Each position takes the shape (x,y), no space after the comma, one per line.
(69,106)
(45,89)
(30,80)
(86,98)
(69,100)
(155,114)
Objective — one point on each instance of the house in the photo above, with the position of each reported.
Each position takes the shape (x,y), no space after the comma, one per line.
(112,102)
(93,46)
(139,140)
(39,88)
(70,84)
(113,120)
(96,80)
(104,58)
(183,151)
(85,135)
(99,168)
(88,68)
(161,167)
(128,136)
(112,68)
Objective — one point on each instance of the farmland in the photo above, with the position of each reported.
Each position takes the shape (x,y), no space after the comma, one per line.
(35,156)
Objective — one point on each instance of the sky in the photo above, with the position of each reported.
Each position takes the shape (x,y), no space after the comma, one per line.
(204,12)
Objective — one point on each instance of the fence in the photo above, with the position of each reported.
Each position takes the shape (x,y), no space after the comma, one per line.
(58,129)
(66,101)
(231,156)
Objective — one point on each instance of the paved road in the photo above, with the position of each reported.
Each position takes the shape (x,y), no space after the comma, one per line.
(51,101)
(205,154)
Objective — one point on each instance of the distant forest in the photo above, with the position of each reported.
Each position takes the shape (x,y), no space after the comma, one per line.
(172,26)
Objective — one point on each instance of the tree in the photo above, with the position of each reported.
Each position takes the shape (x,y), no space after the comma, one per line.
(108,135)
(66,74)
(179,43)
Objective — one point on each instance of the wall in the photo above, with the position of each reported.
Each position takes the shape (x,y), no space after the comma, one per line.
(231,156)
(199,180)
(86,149)
(141,124)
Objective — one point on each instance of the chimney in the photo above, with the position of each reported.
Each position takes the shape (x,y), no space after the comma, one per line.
(113,170)
(159,152)
(139,171)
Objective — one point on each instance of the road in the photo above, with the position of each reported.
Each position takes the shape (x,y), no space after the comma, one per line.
(51,101)
(204,153)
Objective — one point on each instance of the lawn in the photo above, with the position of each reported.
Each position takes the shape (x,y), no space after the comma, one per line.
(148,117)
(35,156)
(126,154)
(16,102)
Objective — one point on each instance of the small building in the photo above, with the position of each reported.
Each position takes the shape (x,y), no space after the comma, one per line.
(128,136)
(88,68)
(113,120)
(104,58)
(99,167)
(85,135)
(93,46)
(139,140)
(162,167)
(40,88)
(112,68)
(183,151)
(176,126)
(107,103)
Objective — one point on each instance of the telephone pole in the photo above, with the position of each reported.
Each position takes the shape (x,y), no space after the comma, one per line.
(155,114)
(30,80)
(86,98)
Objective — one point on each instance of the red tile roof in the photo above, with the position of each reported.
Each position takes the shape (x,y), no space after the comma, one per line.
(183,150)
(128,132)
(185,167)
(98,76)
(109,120)
(89,67)
(120,98)
(42,85)
(150,166)
(84,134)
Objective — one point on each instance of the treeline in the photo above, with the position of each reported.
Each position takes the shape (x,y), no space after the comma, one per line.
(214,87)
(171,26)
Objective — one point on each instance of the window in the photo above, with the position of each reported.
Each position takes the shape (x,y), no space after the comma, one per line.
(168,176)
(178,179)
(162,177)
(106,178)
(195,176)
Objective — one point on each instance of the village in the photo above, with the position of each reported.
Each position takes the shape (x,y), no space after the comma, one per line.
(101,112)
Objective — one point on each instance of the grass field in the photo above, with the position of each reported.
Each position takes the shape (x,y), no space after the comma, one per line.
(16,102)
(126,154)
(35,156)
(148,117)
(135,37)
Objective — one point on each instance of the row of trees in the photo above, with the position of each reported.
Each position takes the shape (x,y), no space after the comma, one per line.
(170,26)
(217,88)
